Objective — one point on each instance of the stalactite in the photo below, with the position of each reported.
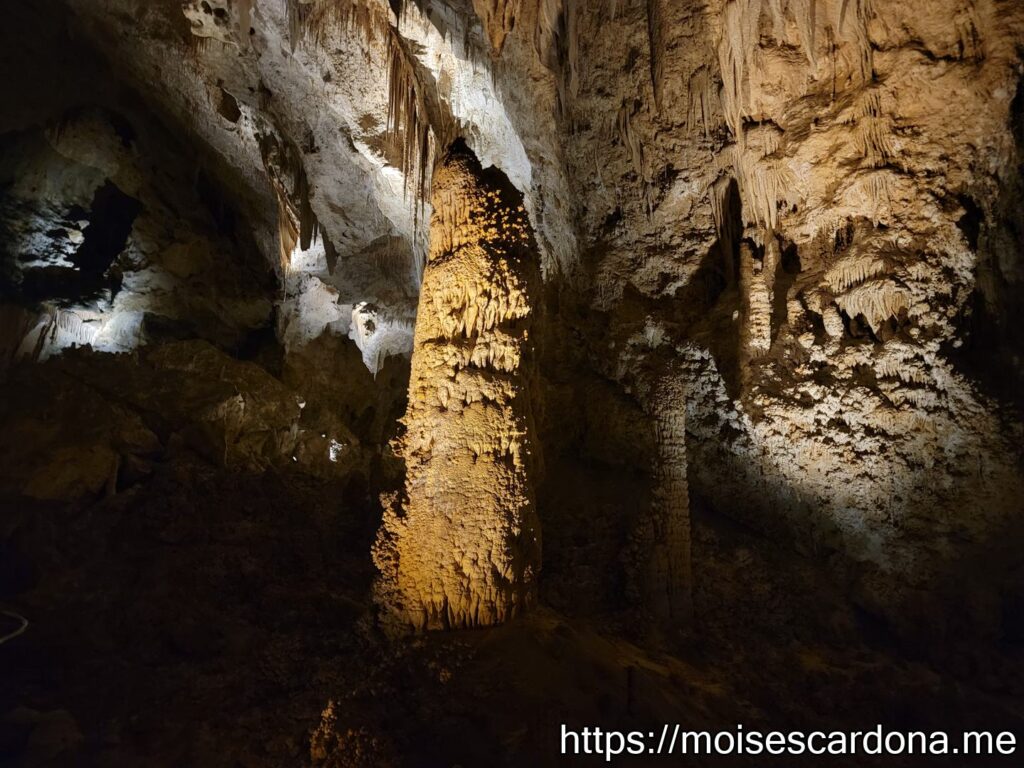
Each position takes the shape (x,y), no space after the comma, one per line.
(656,46)
(703,101)
(873,191)
(330,253)
(408,121)
(498,18)
(309,227)
(740,40)
(736,50)
(572,51)
(903,370)
(763,183)
(52,328)
(315,19)
(198,44)
(287,232)
(876,300)
(969,40)
(852,24)
(556,41)
(283,163)
(630,140)
(805,12)
(298,12)
(463,549)
(872,132)
(853,270)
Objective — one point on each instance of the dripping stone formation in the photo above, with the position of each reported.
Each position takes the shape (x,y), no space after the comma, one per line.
(463,547)
(390,382)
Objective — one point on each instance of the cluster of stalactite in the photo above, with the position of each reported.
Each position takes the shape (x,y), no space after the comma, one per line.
(408,120)
(297,225)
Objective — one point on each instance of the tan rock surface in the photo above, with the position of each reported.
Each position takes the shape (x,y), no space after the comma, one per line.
(462,549)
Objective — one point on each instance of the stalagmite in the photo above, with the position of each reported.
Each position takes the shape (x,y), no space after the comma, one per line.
(757,281)
(662,539)
(463,549)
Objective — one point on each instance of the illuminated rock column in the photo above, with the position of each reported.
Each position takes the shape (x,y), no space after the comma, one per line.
(757,284)
(463,548)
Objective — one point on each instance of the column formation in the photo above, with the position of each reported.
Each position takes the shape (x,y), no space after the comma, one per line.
(462,548)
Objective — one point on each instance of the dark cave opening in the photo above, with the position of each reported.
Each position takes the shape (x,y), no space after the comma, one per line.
(111,217)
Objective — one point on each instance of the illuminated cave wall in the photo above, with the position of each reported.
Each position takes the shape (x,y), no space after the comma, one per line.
(803,217)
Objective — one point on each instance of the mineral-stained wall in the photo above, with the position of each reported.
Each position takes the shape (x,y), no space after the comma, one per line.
(463,549)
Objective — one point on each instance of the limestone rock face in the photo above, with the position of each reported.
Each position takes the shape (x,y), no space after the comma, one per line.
(463,549)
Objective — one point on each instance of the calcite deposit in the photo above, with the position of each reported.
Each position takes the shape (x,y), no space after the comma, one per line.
(462,548)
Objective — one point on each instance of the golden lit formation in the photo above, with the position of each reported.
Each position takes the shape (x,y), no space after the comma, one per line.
(462,548)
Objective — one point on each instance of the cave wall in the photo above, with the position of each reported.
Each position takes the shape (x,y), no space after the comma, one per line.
(113,231)
(803,219)
(785,199)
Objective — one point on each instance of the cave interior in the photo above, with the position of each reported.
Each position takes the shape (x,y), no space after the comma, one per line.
(388,383)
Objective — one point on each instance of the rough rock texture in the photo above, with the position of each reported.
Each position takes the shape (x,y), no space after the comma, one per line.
(463,548)
(808,210)
(100,250)
(663,538)
(797,216)
(84,424)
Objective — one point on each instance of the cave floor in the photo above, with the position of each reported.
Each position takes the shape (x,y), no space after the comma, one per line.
(203,618)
